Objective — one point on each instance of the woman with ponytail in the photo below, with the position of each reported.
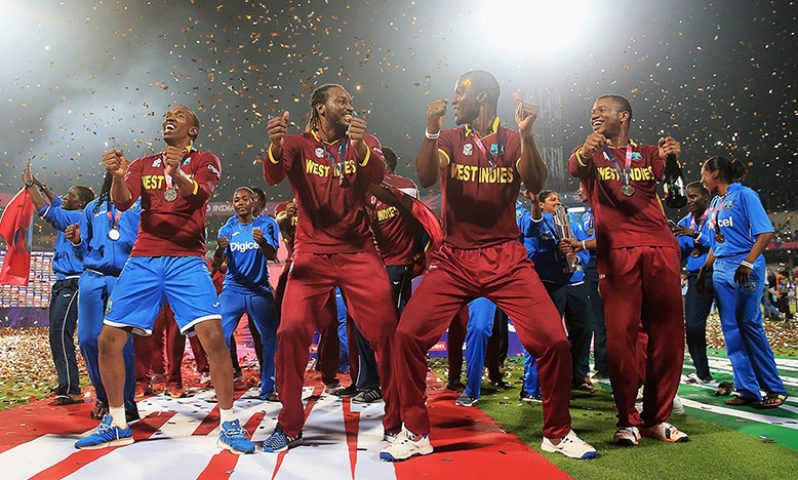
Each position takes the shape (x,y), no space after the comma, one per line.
(103,238)
(741,230)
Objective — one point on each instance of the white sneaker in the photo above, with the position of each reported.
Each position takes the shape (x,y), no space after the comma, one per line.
(389,437)
(678,407)
(626,437)
(571,446)
(693,379)
(406,445)
(665,432)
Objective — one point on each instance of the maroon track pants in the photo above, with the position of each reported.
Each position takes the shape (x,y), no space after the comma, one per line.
(503,274)
(364,281)
(641,290)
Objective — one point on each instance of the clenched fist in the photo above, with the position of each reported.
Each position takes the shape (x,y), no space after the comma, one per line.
(72,233)
(436,112)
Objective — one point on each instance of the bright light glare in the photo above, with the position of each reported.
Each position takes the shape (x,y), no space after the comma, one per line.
(534,26)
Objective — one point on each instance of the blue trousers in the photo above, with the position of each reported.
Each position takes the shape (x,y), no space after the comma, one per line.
(260,308)
(696,311)
(596,314)
(95,289)
(481,315)
(63,317)
(753,365)
(531,380)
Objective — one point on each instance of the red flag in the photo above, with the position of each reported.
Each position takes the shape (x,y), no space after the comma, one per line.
(16,227)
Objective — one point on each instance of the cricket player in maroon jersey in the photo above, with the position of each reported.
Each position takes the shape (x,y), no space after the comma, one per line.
(638,266)
(167,263)
(329,168)
(481,165)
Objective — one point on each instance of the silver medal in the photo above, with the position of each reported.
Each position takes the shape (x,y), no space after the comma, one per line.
(113,234)
(628,190)
(170,194)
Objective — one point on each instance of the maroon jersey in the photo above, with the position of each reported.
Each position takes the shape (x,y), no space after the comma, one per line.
(332,217)
(289,233)
(479,188)
(176,228)
(625,221)
(393,229)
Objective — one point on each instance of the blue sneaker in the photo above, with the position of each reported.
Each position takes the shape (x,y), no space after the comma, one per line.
(279,441)
(234,438)
(106,435)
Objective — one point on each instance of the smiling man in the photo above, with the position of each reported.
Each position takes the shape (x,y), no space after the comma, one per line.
(638,266)
(167,263)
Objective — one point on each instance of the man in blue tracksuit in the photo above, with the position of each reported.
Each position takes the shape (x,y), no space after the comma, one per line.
(249,243)
(103,239)
(741,231)
(694,236)
(567,290)
(481,316)
(60,213)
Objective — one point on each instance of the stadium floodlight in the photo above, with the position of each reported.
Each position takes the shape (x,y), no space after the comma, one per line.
(534,26)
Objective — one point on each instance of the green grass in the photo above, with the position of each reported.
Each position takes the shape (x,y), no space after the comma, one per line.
(715,452)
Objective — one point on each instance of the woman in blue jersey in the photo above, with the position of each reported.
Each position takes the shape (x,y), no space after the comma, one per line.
(103,239)
(741,231)
(249,243)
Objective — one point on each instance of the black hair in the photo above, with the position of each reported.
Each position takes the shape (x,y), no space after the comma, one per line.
(697,185)
(730,170)
(484,80)
(105,192)
(390,158)
(622,103)
(544,194)
(319,97)
(85,194)
(261,195)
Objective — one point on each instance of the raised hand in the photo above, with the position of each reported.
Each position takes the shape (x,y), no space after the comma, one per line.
(291,209)
(72,233)
(669,146)
(223,242)
(356,131)
(592,144)
(436,112)
(172,158)
(114,162)
(525,114)
(277,128)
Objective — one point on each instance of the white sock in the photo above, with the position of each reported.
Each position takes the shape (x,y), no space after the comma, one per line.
(226,415)
(118,416)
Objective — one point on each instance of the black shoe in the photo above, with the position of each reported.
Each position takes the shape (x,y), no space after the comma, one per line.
(501,385)
(132,415)
(456,386)
(525,397)
(349,391)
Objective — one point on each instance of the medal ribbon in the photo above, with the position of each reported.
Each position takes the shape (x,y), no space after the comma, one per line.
(715,214)
(698,227)
(495,128)
(340,163)
(115,220)
(628,164)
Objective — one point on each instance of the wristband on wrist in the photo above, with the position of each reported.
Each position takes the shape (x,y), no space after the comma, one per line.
(584,247)
(747,264)
(432,136)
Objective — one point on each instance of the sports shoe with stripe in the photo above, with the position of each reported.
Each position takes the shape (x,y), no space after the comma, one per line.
(406,445)
(665,432)
(368,396)
(106,435)
(626,437)
(571,446)
(280,442)
(233,437)
(466,400)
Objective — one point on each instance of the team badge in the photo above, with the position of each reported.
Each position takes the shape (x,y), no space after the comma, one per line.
(636,157)
(468,149)
(157,162)
(728,204)
(320,152)
(496,149)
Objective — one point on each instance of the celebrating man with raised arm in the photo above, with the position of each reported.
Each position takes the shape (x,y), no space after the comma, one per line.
(330,168)
(481,165)
(166,263)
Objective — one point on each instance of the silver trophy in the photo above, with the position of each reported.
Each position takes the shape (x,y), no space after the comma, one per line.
(563,225)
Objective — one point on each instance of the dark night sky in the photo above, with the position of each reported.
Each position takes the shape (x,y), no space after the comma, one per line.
(78,76)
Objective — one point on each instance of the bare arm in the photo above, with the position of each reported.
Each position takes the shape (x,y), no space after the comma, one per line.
(531,166)
(30,186)
(429,161)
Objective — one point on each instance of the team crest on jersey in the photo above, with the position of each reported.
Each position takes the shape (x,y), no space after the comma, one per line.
(468,149)
(728,204)
(636,157)
(157,162)
(320,152)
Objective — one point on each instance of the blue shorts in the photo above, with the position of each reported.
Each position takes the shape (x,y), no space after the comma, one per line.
(146,282)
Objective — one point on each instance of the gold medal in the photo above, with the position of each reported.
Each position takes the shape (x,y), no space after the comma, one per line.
(719,237)
(628,190)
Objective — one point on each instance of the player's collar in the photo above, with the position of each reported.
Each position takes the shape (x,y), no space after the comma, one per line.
(494,128)
(318,138)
